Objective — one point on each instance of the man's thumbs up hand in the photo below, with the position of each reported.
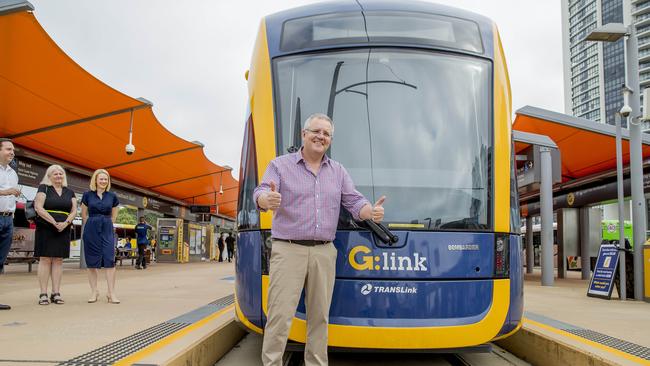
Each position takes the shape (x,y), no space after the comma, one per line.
(270,200)
(378,210)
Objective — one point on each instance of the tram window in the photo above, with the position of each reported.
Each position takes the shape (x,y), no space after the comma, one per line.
(515,219)
(411,125)
(390,27)
(247,215)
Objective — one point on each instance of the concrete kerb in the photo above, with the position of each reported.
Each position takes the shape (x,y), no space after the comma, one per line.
(539,349)
(203,345)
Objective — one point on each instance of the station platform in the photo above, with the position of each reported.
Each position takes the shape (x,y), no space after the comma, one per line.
(157,303)
(173,314)
(562,323)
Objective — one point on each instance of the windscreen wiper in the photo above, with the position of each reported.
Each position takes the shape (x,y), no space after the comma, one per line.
(297,130)
(382,232)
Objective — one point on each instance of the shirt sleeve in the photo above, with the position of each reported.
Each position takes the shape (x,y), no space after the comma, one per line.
(116,201)
(272,174)
(84,198)
(351,199)
(42,188)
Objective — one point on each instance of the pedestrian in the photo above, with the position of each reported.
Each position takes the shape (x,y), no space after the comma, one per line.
(141,231)
(98,212)
(296,186)
(220,244)
(153,249)
(56,207)
(8,193)
(230,244)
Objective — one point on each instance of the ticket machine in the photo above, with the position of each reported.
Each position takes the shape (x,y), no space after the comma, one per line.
(169,243)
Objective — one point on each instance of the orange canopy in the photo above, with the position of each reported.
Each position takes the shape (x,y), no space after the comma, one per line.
(50,104)
(587,148)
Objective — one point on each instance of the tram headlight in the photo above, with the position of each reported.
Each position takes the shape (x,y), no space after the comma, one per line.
(501,255)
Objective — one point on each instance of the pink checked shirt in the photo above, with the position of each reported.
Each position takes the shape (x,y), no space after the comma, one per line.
(310,203)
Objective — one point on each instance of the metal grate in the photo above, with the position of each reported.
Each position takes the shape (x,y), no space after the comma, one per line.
(619,344)
(113,352)
(224,301)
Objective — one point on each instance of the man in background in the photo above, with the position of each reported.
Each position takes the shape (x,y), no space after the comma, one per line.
(230,244)
(8,193)
(141,231)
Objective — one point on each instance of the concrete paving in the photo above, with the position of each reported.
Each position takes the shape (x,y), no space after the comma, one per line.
(54,333)
(567,301)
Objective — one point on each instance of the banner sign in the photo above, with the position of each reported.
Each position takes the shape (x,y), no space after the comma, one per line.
(602,281)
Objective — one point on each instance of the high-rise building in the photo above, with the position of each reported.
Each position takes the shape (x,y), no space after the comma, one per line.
(594,72)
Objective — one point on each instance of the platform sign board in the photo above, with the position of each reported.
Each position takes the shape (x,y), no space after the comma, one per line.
(602,281)
(200,209)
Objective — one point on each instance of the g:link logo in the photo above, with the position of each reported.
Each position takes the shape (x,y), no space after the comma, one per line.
(385,261)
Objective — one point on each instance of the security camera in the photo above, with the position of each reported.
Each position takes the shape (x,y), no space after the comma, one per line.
(625,111)
(130,149)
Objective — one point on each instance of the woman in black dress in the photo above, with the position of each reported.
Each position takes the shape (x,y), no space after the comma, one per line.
(56,206)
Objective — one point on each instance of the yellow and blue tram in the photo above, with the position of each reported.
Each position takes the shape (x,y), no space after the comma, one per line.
(420,98)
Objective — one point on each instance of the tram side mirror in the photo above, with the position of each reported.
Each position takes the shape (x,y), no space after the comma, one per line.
(246,75)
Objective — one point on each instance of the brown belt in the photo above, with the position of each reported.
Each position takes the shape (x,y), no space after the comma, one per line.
(307,243)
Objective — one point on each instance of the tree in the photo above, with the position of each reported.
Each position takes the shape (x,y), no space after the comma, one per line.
(126,215)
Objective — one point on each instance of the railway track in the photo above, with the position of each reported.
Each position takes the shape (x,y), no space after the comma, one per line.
(247,353)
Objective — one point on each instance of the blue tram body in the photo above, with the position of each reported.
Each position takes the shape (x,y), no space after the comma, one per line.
(454,279)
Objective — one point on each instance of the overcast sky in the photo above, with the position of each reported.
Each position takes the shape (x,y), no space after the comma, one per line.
(189,57)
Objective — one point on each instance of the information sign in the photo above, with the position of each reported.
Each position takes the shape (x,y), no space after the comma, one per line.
(602,281)
(199,209)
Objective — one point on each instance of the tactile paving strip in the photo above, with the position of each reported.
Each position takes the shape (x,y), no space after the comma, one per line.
(619,344)
(113,352)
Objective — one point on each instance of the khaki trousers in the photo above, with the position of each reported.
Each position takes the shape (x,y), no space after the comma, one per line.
(293,267)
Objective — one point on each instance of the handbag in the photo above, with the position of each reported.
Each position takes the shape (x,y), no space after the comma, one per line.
(30,212)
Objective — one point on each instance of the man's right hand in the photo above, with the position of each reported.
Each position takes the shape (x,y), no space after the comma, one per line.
(270,200)
(10,192)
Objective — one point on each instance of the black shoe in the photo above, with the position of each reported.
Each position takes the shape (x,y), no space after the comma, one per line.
(4,307)
(138,267)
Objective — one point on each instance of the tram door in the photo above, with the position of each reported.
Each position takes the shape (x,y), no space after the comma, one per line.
(169,243)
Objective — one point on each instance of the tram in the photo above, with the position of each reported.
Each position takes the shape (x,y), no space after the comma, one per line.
(420,98)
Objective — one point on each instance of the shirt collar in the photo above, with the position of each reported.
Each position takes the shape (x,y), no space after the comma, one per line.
(6,168)
(298,157)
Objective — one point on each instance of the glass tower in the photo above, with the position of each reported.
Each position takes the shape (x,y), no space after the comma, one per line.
(594,72)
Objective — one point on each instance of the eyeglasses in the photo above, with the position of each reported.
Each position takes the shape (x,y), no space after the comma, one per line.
(324,133)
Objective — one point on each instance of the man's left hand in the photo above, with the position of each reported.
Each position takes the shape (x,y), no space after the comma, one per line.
(378,209)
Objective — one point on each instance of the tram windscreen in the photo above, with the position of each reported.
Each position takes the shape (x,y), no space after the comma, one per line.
(411,125)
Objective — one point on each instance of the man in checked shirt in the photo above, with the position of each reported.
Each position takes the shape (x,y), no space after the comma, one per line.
(305,190)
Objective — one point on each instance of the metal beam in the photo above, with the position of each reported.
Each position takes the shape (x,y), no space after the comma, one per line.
(78,121)
(546,200)
(530,250)
(190,178)
(153,157)
(211,192)
(14,6)
(533,139)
